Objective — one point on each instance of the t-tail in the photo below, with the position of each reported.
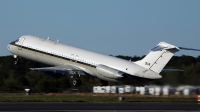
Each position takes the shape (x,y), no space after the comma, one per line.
(159,56)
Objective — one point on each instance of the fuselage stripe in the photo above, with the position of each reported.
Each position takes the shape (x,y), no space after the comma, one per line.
(54,55)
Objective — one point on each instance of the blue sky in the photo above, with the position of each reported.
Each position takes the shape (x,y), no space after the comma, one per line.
(113,27)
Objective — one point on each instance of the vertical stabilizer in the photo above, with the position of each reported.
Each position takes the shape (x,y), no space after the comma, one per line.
(158,57)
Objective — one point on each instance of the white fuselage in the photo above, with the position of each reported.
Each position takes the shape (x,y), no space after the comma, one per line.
(58,54)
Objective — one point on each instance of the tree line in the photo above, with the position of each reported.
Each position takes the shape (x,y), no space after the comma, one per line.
(15,78)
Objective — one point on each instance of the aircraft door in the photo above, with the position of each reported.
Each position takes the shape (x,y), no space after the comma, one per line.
(20,42)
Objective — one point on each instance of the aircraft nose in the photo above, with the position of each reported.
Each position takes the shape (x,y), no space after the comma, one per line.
(8,47)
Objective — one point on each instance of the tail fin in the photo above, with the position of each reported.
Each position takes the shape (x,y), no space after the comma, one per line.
(158,57)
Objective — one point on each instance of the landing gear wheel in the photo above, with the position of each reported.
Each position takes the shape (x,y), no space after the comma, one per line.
(16,59)
(103,83)
(77,82)
(15,62)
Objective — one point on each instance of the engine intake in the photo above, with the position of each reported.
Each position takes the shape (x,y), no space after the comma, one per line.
(109,72)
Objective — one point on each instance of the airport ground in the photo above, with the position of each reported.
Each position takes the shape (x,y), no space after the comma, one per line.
(91,97)
(90,102)
(93,107)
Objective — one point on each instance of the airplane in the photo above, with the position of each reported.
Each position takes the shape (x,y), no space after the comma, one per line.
(67,59)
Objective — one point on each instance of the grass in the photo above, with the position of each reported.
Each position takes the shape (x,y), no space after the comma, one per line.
(90,98)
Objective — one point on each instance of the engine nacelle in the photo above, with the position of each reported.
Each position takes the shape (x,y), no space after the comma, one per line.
(109,72)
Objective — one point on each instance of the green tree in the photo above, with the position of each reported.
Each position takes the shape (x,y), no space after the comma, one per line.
(64,82)
(42,86)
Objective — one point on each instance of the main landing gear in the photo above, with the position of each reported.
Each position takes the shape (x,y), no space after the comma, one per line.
(103,83)
(76,81)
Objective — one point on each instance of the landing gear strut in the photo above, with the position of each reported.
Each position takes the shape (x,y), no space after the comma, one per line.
(16,59)
(103,83)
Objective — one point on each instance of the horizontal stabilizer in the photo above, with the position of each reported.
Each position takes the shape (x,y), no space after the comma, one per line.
(172,70)
(189,49)
(164,46)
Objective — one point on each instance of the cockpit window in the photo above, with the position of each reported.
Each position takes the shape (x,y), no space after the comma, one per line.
(14,41)
(17,40)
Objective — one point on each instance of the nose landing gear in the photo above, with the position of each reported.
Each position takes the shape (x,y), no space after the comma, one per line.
(16,59)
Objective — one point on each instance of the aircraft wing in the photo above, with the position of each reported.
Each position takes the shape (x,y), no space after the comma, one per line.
(172,70)
(65,69)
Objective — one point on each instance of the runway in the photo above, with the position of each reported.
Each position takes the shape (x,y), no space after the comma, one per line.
(85,106)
